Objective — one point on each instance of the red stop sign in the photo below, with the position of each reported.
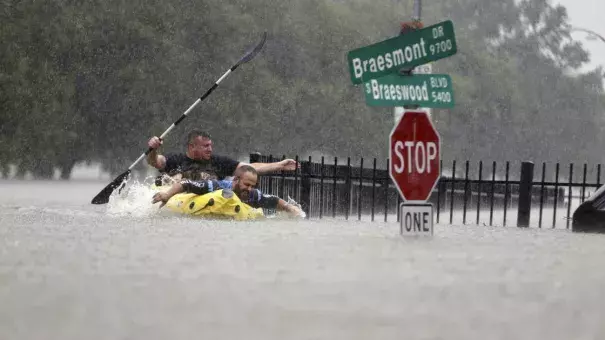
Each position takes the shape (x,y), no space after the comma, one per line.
(415,152)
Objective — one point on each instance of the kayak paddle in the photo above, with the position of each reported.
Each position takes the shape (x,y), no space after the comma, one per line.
(103,196)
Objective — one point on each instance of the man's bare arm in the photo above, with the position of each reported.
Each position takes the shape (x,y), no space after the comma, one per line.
(290,208)
(264,168)
(165,196)
(154,158)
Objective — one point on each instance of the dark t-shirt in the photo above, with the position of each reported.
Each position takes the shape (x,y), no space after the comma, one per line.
(218,167)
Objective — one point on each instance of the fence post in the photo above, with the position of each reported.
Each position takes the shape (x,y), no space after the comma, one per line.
(255,157)
(305,186)
(525,191)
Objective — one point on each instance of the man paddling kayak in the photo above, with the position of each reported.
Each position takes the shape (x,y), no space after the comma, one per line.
(199,163)
(242,185)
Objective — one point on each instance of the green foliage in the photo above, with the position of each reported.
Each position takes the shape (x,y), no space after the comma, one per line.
(93,80)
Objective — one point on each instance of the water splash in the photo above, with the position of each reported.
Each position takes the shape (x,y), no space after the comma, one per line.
(133,200)
(293,202)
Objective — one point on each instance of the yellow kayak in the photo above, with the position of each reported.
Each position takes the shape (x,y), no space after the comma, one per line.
(220,204)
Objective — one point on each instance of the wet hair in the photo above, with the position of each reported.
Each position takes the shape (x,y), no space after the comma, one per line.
(245,168)
(196,133)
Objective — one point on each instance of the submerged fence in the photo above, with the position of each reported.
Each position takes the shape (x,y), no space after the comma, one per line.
(490,194)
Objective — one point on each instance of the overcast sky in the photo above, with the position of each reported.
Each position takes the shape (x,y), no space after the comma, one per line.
(588,14)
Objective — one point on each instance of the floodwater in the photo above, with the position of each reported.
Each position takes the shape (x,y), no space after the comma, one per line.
(71,270)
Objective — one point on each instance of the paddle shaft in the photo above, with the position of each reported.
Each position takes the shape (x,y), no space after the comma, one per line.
(199,100)
(103,196)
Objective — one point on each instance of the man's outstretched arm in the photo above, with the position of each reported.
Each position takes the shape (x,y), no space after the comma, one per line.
(165,196)
(290,208)
(264,168)
(259,200)
(196,187)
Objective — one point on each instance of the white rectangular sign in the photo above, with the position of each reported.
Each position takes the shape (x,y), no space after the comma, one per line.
(423,69)
(416,219)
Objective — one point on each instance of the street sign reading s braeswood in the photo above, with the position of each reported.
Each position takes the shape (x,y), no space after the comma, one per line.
(427,90)
(407,50)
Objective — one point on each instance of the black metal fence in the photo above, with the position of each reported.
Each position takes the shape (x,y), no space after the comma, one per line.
(489,194)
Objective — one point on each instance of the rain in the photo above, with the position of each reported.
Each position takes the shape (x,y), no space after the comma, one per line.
(85,85)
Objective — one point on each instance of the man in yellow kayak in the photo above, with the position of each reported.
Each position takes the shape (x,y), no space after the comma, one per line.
(199,163)
(242,185)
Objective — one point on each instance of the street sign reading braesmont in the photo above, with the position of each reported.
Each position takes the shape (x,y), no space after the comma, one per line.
(407,50)
(426,90)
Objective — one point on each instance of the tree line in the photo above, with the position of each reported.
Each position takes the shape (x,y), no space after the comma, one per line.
(91,81)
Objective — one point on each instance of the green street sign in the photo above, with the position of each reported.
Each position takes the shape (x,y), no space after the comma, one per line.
(407,50)
(426,90)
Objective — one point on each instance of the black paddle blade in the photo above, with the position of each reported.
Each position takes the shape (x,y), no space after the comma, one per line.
(251,54)
(103,196)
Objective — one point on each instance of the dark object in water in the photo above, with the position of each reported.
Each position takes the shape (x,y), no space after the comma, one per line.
(589,217)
